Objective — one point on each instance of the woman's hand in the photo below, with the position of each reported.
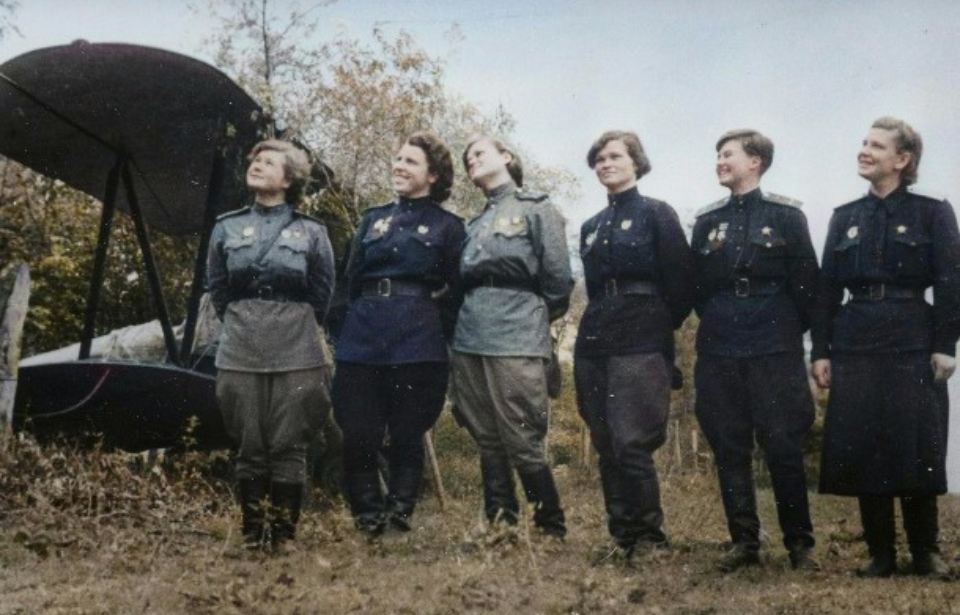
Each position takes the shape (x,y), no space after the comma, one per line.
(821,373)
(943,366)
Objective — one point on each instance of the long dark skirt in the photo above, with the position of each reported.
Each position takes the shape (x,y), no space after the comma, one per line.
(886,427)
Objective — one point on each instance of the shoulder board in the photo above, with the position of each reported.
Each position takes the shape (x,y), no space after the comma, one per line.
(848,203)
(235,212)
(781,200)
(536,197)
(300,214)
(713,206)
(928,195)
(448,212)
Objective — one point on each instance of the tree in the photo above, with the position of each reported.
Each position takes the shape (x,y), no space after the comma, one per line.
(353,102)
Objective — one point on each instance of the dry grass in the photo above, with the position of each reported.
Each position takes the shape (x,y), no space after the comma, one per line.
(86,532)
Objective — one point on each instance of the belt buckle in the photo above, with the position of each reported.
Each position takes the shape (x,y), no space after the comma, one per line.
(265,292)
(876,292)
(741,287)
(383,287)
(610,287)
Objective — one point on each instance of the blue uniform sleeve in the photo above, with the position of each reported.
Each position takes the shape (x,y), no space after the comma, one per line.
(802,275)
(946,283)
(355,260)
(829,295)
(675,264)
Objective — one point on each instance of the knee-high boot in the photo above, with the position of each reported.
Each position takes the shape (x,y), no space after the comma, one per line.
(286,498)
(366,502)
(499,490)
(880,534)
(920,520)
(253,495)
(541,492)
(402,497)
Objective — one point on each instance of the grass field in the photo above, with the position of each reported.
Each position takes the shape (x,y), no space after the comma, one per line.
(87,532)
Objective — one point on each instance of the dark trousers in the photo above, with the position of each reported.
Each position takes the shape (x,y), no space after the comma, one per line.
(403,401)
(625,401)
(767,400)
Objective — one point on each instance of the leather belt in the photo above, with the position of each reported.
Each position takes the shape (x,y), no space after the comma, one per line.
(495,282)
(613,287)
(746,287)
(269,293)
(385,287)
(881,291)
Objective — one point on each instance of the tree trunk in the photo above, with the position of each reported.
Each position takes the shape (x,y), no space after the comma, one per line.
(14,298)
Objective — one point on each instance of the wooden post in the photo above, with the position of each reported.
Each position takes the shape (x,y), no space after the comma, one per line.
(14,299)
(435,469)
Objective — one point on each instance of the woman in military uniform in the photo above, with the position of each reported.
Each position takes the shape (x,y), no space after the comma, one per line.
(516,270)
(639,274)
(392,352)
(886,353)
(270,277)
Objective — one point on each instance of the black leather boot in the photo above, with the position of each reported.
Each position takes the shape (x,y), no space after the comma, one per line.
(499,490)
(366,502)
(650,515)
(793,512)
(253,502)
(621,512)
(402,498)
(921,522)
(880,534)
(286,499)
(541,492)
(740,506)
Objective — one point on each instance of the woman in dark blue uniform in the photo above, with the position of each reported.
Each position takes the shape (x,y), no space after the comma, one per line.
(270,276)
(391,375)
(886,353)
(639,274)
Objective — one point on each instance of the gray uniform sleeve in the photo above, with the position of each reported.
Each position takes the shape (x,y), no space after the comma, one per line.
(217,271)
(320,273)
(550,241)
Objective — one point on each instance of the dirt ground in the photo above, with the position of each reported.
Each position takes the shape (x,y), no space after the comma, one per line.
(94,533)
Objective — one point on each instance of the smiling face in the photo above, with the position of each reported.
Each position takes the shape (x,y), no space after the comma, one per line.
(411,174)
(614,167)
(878,160)
(267,176)
(736,169)
(486,165)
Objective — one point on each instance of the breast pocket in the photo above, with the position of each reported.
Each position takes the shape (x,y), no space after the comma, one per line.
(634,252)
(771,252)
(424,249)
(291,254)
(912,255)
(512,235)
(846,256)
(239,253)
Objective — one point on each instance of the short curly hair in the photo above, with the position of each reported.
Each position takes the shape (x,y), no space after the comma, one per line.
(296,165)
(439,163)
(634,148)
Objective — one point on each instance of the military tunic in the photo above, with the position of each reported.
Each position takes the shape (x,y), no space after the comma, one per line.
(270,277)
(639,276)
(516,269)
(756,277)
(404,287)
(886,424)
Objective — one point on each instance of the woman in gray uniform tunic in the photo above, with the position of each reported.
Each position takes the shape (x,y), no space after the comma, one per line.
(516,271)
(270,276)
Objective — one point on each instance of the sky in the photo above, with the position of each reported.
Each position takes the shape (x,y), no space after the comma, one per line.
(812,75)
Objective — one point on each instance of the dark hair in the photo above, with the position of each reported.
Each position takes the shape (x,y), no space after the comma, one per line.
(296,165)
(514,167)
(439,163)
(634,148)
(753,143)
(907,140)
